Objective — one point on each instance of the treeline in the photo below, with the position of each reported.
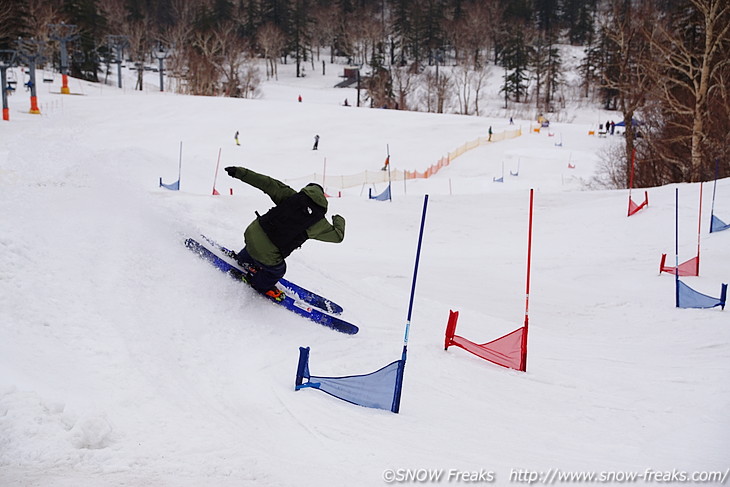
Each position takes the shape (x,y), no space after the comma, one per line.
(661,63)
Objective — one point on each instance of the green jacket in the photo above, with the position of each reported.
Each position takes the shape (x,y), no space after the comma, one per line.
(257,242)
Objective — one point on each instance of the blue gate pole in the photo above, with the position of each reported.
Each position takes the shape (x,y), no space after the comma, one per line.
(399,379)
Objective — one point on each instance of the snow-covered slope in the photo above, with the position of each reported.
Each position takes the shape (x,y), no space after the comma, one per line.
(125,360)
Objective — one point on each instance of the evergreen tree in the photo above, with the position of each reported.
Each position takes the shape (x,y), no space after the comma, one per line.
(251,18)
(278,13)
(553,77)
(222,11)
(402,28)
(431,26)
(578,18)
(92,28)
(517,12)
(300,32)
(515,59)
(546,15)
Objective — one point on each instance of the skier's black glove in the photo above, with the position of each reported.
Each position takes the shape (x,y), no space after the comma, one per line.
(231,170)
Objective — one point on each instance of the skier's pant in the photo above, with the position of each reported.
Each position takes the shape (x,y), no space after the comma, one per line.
(261,277)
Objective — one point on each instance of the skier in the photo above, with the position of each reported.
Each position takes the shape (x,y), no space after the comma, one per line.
(235,137)
(490,134)
(316,142)
(271,237)
(387,163)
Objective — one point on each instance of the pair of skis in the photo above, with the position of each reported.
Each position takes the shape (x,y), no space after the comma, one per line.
(297,299)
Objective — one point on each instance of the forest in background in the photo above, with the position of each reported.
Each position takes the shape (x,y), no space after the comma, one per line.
(662,65)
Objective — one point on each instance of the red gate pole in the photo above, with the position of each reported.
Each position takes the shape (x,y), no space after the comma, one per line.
(631,178)
(523,364)
(699,228)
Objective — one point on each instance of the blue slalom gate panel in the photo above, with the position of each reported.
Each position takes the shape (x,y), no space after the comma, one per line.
(377,389)
(384,196)
(689,298)
(717,225)
(172,186)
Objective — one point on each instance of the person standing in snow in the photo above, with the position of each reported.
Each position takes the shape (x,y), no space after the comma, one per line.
(235,137)
(490,134)
(273,236)
(316,142)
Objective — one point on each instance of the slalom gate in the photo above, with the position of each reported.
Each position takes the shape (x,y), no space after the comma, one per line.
(176,185)
(509,350)
(635,207)
(384,196)
(685,296)
(380,389)
(716,225)
(690,267)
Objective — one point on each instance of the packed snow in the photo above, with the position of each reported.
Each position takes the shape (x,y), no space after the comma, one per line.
(127,361)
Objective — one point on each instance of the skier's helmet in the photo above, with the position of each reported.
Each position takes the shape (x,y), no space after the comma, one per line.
(317,185)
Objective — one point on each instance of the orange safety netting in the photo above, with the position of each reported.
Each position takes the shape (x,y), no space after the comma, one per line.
(371,177)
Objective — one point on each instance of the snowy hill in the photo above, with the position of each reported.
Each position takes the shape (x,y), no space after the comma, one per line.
(125,360)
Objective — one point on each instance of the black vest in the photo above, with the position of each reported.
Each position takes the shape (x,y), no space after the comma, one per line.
(286,224)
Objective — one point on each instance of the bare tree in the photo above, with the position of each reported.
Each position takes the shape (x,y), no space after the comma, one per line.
(249,79)
(200,76)
(719,146)
(379,87)
(689,73)
(474,31)
(363,33)
(628,52)
(114,13)
(207,49)
(140,47)
(271,40)
(480,76)
(230,49)
(42,13)
(462,76)
(179,38)
(224,50)
(325,24)
(438,86)
(404,79)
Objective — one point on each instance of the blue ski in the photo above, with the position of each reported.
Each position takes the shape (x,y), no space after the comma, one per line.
(304,294)
(295,305)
